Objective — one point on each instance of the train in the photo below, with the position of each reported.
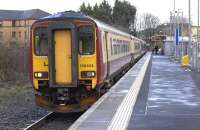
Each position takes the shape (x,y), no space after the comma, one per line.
(74,59)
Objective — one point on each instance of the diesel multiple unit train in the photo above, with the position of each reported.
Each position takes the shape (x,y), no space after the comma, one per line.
(75,58)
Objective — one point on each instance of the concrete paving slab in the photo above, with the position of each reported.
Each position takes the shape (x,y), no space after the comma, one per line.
(109,108)
(170,101)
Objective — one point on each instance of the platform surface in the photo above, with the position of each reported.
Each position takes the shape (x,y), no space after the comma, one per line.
(169,98)
(113,110)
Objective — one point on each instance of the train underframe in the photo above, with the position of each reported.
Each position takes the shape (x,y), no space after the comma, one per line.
(67,100)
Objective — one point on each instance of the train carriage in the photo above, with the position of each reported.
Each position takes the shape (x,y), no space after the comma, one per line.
(73,58)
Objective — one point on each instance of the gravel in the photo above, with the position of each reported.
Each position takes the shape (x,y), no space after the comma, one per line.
(17,107)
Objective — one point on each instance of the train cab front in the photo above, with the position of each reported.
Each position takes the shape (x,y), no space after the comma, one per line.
(64,64)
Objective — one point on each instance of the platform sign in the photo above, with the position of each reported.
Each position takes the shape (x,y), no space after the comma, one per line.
(177,37)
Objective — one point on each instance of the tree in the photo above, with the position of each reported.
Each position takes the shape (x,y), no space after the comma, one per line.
(104,12)
(121,16)
(86,10)
(147,23)
(89,9)
(96,11)
(83,8)
(124,14)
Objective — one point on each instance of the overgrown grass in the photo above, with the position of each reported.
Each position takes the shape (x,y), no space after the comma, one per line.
(10,93)
(13,64)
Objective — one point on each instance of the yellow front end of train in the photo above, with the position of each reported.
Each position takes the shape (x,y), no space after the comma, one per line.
(63,74)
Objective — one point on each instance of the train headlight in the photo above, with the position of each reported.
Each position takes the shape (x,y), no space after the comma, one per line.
(87,74)
(35,75)
(41,74)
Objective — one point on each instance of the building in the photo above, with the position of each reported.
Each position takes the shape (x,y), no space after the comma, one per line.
(194,33)
(158,40)
(169,29)
(15,25)
(169,46)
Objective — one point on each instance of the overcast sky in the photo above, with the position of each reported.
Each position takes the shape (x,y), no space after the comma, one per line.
(160,8)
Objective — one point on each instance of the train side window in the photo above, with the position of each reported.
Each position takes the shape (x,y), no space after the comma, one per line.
(138,45)
(86,40)
(118,49)
(114,49)
(121,48)
(41,42)
(124,50)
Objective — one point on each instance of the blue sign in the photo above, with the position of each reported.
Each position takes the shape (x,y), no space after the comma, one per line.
(177,36)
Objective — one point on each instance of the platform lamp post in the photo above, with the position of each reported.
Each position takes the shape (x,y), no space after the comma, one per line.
(172,22)
(180,33)
(170,25)
(175,29)
(182,53)
(189,51)
(181,26)
(198,42)
(198,29)
(176,34)
(198,22)
(174,5)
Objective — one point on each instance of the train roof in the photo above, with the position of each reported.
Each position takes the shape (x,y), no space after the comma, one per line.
(68,15)
(79,15)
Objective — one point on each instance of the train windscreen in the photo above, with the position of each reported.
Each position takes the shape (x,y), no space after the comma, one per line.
(86,40)
(41,42)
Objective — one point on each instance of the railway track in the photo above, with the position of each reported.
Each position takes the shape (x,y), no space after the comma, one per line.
(57,121)
(53,121)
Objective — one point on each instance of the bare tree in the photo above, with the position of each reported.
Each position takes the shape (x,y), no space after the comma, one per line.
(147,23)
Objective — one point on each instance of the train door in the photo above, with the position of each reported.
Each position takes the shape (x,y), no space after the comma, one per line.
(105,50)
(63,57)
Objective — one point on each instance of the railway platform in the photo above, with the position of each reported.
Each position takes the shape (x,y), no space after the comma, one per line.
(156,94)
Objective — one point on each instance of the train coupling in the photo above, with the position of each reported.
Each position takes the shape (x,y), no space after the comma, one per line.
(63,95)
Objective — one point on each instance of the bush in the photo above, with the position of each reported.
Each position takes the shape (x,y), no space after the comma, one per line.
(12,64)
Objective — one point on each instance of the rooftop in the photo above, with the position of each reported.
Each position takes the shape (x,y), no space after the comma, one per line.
(22,14)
